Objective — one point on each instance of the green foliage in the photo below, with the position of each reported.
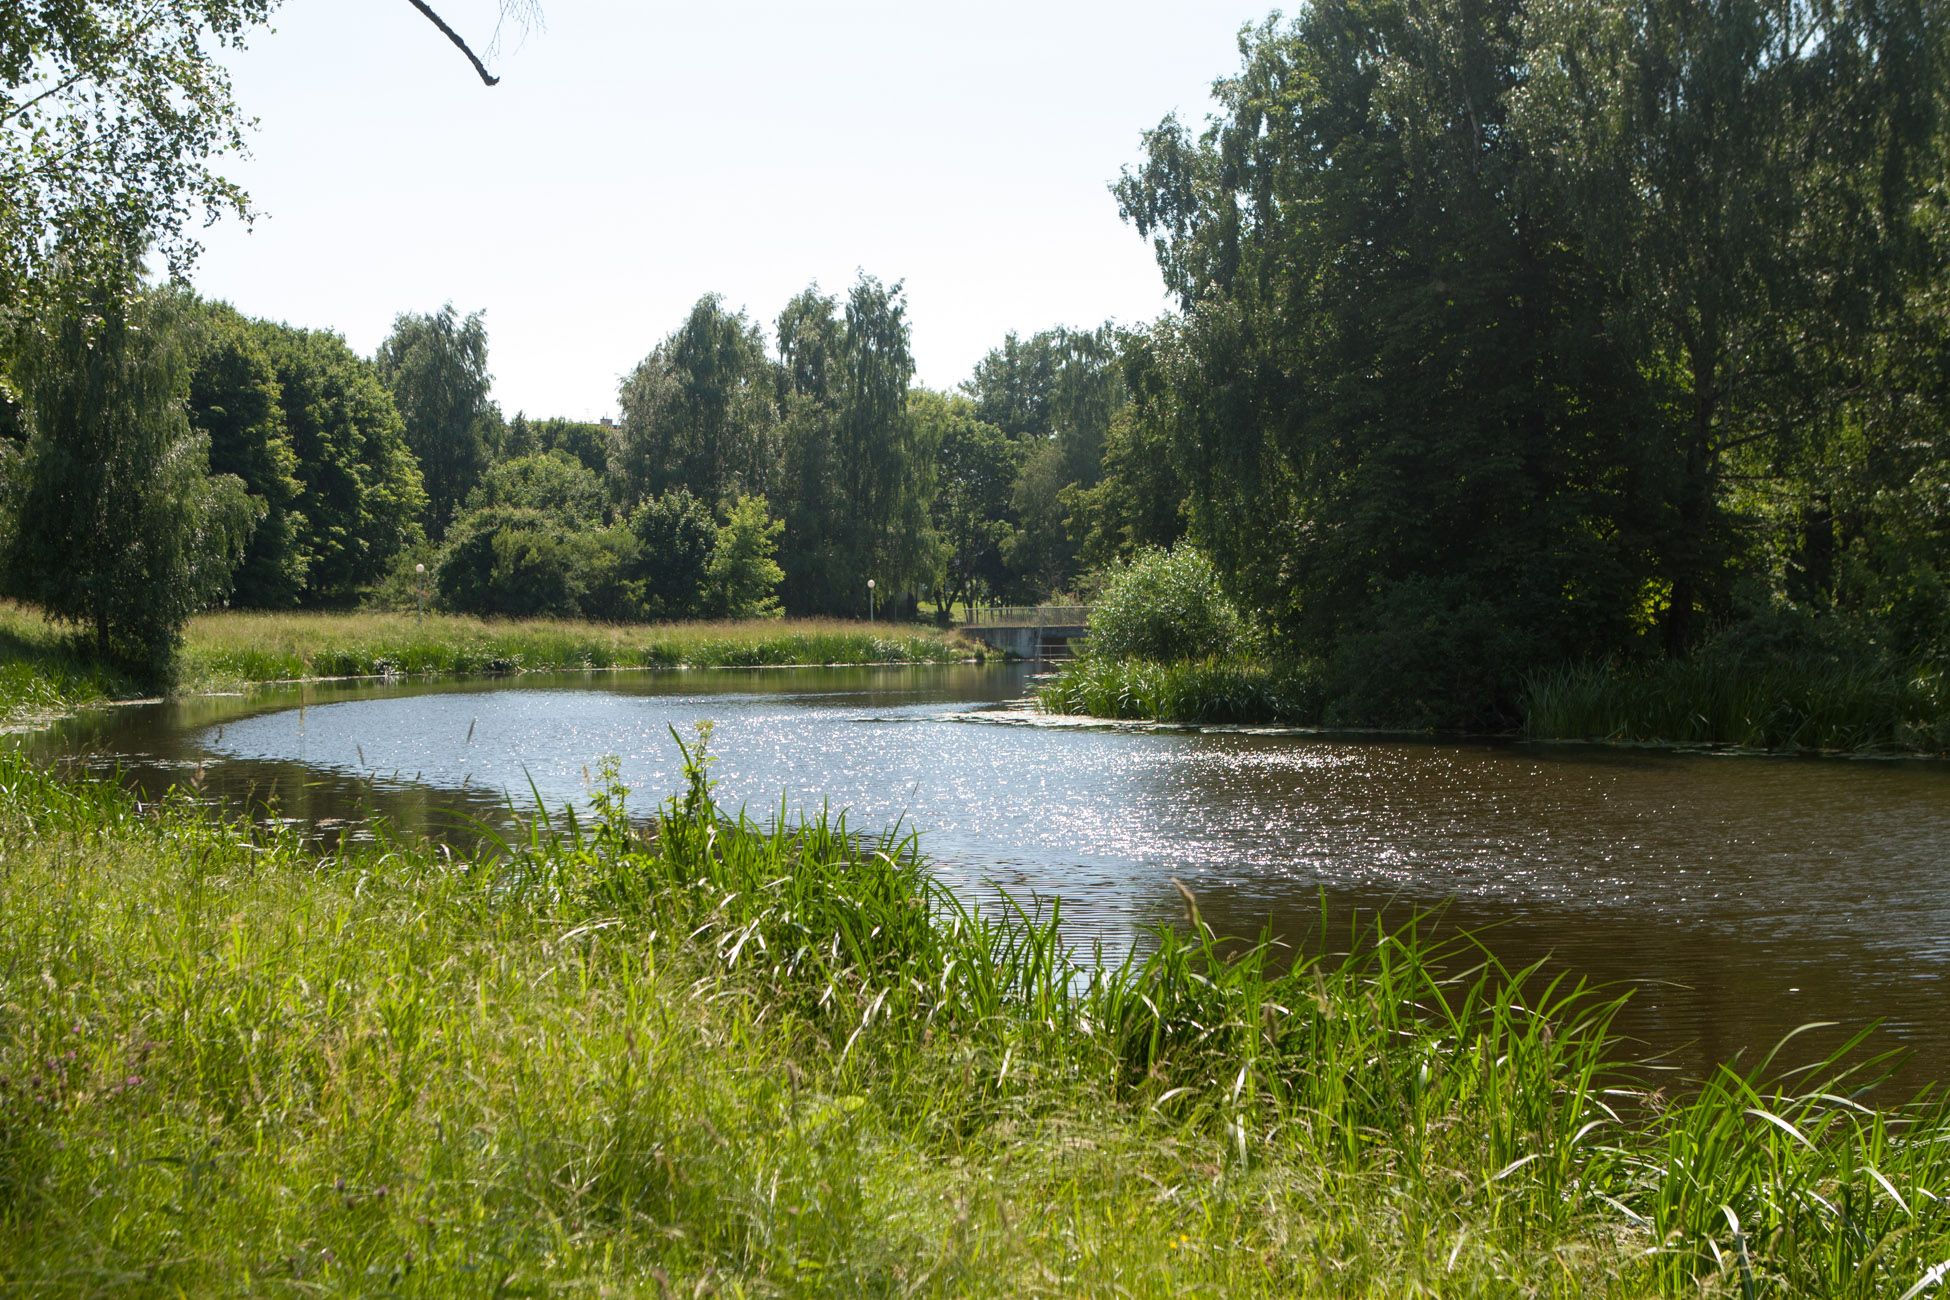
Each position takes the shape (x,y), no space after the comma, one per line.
(698,412)
(363,495)
(588,443)
(1778,678)
(526,563)
(111,113)
(1140,499)
(233,398)
(121,528)
(742,576)
(1058,395)
(435,366)
(975,465)
(675,538)
(1186,692)
(1525,313)
(553,482)
(1166,606)
(857,478)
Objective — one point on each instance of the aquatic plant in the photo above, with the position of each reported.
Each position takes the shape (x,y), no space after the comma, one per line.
(1779,704)
(1196,691)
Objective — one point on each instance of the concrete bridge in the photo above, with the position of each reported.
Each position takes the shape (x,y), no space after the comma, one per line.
(1032,631)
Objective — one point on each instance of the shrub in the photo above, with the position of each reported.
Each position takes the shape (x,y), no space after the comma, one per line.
(1166,606)
(525,564)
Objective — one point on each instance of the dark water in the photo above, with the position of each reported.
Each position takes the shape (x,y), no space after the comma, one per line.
(1739,896)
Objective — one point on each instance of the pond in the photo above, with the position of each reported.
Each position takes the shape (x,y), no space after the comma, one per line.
(1739,896)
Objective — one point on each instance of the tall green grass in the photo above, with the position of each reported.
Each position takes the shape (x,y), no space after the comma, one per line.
(714,1054)
(255,647)
(45,671)
(1195,691)
(1819,706)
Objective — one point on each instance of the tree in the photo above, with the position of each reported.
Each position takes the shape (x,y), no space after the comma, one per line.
(233,399)
(525,563)
(1411,431)
(110,114)
(878,462)
(698,411)
(811,343)
(436,368)
(554,482)
(675,537)
(1746,178)
(362,491)
(121,528)
(744,578)
(1062,388)
(975,464)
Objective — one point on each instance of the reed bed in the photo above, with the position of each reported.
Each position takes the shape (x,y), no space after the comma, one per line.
(1218,690)
(715,1054)
(1816,706)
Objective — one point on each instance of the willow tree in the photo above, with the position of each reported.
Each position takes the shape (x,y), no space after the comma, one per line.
(122,530)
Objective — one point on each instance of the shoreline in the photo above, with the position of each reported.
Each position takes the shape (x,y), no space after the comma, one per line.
(40,722)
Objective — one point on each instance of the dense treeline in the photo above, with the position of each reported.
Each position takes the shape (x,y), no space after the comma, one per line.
(748,475)
(1509,337)
(1516,334)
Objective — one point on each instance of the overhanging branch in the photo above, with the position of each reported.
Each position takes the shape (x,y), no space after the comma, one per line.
(454,36)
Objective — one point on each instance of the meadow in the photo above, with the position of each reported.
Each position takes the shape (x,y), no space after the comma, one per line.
(45,671)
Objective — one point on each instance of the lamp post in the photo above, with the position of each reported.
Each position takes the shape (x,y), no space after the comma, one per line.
(869,600)
(420,589)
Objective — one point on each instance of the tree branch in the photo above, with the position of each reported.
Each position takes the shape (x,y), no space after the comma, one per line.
(454,36)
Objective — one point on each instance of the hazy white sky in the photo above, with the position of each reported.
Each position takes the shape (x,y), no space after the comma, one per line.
(638,155)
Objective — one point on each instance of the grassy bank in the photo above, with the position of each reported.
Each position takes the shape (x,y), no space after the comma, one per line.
(1798,708)
(720,1057)
(44,670)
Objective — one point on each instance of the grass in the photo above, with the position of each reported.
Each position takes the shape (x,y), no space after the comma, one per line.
(719,1056)
(1780,705)
(1200,691)
(44,671)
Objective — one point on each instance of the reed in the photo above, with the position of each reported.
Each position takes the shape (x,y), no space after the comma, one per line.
(1818,705)
(758,1057)
(1196,691)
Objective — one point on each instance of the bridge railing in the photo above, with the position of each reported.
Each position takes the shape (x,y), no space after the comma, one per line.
(1031,616)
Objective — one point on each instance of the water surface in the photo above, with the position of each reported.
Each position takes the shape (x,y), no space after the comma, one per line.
(1740,896)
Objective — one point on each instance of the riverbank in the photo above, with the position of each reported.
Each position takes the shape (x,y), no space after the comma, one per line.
(1773,708)
(786,1062)
(44,672)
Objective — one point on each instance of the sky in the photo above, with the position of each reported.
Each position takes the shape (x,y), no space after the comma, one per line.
(638,155)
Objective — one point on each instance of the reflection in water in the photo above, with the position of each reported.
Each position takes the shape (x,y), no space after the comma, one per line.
(1742,896)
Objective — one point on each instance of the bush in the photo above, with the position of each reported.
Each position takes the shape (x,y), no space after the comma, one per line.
(675,536)
(1166,606)
(525,564)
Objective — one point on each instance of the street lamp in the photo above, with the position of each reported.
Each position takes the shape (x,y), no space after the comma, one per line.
(420,587)
(869,600)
